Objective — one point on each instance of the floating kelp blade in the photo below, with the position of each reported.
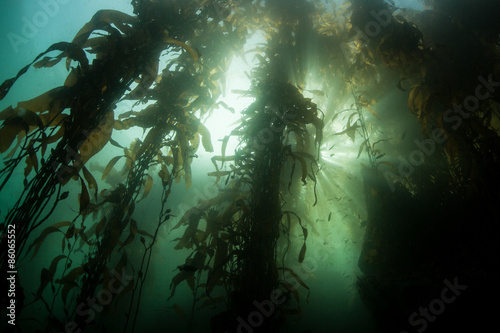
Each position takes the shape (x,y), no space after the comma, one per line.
(69,50)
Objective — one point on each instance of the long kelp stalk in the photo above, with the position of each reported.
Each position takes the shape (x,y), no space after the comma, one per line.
(92,94)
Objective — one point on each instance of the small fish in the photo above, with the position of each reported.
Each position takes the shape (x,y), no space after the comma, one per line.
(403,136)
(187,268)
(329,216)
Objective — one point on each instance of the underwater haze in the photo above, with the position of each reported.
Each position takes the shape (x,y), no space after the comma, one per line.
(249,166)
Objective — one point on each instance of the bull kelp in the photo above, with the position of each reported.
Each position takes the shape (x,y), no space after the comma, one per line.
(252,166)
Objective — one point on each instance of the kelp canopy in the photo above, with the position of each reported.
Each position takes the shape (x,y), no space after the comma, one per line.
(365,118)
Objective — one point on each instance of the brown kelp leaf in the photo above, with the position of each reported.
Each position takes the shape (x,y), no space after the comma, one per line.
(90,180)
(189,235)
(20,137)
(94,43)
(302,253)
(47,275)
(176,280)
(54,138)
(295,276)
(72,78)
(7,84)
(70,233)
(130,210)
(142,232)
(54,101)
(46,62)
(98,138)
(222,159)
(7,113)
(85,236)
(147,186)
(40,103)
(114,143)
(291,289)
(31,160)
(66,289)
(372,111)
(190,282)
(71,50)
(29,117)
(47,231)
(71,276)
(44,280)
(191,52)
(133,232)
(303,165)
(361,148)
(418,98)
(221,258)
(317,92)
(119,19)
(168,160)
(350,130)
(223,149)
(44,144)
(400,84)
(164,175)
(32,157)
(27,169)
(206,140)
(84,197)
(194,142)
(148,77)
(219,174)
(198,262)
(110,166)
(127,241)
(9,130)
(366,103)
(53,264)
(185,218)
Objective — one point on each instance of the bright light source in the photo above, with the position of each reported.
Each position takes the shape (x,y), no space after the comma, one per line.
(222,121)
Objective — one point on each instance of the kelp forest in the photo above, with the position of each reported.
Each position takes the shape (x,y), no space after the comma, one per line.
(252,166)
